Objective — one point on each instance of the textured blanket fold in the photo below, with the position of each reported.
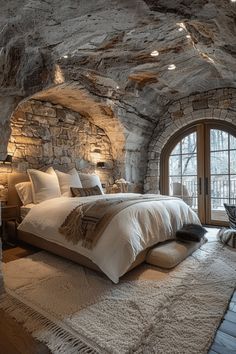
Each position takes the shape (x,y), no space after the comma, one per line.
(88,221)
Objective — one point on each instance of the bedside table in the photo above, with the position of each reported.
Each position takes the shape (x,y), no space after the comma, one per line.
(9,213)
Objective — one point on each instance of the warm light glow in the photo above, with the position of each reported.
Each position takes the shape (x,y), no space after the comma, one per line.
(155,53)
(117,87)
(233,0)
(205,56)
(181,25)
(58,75)
(188,36)
(171,67)
(181,29)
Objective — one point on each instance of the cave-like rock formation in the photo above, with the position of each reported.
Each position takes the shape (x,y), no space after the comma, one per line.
(120,63)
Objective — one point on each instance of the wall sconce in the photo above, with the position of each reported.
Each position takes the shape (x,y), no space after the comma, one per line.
(8,160)
(7,163)
(101,164)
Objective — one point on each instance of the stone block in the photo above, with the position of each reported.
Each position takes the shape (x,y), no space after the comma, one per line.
(65,160)
(27,140)
(47,150)
(187,110)
(177,114)
(39,119)
(43,110)
(200,104)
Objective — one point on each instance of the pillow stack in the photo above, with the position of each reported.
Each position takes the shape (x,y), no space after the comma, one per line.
(68,181)
(90,180)
(45,185)
(53,184)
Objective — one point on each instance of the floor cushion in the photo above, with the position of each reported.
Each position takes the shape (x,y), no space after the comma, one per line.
(227,236)
(231,212)
(169,254)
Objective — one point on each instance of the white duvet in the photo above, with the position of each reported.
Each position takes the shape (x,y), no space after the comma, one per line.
(130,231)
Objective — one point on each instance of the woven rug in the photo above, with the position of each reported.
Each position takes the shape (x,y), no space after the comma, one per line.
(74,310)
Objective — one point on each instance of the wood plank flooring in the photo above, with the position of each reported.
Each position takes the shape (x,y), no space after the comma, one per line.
(15,340)
(225,339)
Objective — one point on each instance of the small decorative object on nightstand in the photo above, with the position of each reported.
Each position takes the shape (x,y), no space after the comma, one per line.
(120,186)
(9,213)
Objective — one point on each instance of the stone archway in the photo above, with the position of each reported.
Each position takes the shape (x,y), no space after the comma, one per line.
(215,104)
(43,133)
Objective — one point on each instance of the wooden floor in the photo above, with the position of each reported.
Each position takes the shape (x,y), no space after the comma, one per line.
(15,340)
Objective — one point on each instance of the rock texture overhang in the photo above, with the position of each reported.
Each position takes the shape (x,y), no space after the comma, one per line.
(106,47)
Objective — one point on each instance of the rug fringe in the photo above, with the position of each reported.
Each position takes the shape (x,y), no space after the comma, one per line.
(58,340)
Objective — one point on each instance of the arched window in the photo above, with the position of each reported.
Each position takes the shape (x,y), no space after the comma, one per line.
(198,164)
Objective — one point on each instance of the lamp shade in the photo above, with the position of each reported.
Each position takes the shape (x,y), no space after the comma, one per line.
(101,164)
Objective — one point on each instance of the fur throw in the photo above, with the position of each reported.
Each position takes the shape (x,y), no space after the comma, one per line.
(191,232)
(227,236)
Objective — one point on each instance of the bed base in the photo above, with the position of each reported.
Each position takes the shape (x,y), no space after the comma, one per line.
(69,254)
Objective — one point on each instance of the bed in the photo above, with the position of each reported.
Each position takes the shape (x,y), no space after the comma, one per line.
(125,241)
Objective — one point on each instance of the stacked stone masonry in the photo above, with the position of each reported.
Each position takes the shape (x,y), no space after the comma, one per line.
(47,135)
(215,104)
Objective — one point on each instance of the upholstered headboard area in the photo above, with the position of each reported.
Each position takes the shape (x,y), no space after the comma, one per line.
(13,179)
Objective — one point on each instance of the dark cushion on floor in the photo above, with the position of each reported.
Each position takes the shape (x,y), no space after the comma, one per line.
(191,232)
(231,212)
(169,254)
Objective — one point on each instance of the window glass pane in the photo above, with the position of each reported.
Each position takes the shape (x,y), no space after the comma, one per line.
(233,187)
(219,140)
(191,187)
(219,162)
(232,142)
(233,161)
(189,164)
(185,189)
(175,165)
(189,144)
(173,183)
(219,186)
(218,210)
(195,204)
(176,150)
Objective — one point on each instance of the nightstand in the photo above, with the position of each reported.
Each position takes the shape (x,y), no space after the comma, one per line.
(9,213)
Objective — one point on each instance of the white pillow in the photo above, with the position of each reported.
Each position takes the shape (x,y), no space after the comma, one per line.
(24,190)
(90,180)
(45,185)
(67,180)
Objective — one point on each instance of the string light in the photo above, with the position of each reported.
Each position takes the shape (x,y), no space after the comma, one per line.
(171,67)
(155,53)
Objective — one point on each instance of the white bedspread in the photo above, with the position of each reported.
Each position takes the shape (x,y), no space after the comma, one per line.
(130,231)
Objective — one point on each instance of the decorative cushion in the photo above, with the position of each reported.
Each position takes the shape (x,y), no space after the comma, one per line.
(231,212)
(169,254)
(24,190)
(45,185)
(85,192)
(68,180)
(90,180)
(227,236)
(191,232)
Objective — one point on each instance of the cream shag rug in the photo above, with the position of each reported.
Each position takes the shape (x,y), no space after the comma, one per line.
(74,310)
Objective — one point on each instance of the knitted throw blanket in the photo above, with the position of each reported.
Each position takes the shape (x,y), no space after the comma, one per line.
(88,221)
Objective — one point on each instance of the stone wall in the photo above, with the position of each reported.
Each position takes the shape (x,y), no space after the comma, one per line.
(217,104)
(44,134)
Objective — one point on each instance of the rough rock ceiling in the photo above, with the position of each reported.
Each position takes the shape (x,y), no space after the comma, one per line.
(106,47)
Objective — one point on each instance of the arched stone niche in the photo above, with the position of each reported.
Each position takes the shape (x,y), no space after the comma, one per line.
(217,104)
(43,134)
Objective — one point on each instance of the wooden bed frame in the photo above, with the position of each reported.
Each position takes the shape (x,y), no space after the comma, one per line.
(13,199)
